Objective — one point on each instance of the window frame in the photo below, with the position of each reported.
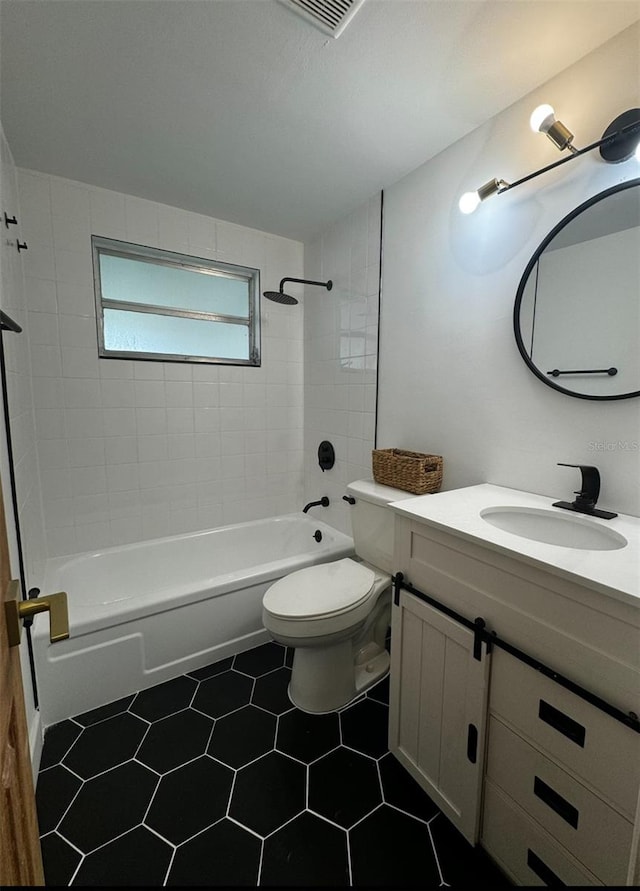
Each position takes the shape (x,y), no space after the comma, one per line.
(159,257)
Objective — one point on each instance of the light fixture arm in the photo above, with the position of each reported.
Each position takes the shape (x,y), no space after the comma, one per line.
(607,140)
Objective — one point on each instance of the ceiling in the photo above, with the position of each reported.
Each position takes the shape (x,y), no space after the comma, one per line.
(242,110)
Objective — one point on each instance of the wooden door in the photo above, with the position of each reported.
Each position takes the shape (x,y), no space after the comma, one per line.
(20,856)
(438,706)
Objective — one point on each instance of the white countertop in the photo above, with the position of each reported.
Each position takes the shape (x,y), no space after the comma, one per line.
(615,573)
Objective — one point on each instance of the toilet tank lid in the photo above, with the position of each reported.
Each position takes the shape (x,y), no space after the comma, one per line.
(376,493)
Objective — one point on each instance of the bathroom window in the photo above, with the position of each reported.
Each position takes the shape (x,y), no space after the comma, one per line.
(155,304)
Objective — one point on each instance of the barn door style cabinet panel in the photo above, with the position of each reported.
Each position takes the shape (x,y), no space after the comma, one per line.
(438,708)
(515,691)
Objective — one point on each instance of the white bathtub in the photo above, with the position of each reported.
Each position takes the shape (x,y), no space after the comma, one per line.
(144,613)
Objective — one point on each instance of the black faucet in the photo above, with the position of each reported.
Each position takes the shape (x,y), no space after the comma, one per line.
(324,502)
(587,495)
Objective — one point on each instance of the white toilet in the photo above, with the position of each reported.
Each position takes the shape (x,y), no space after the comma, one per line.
(336,615)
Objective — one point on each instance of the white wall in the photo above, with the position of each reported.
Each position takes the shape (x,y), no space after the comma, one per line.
(136,450)
(340,356)
(451,378)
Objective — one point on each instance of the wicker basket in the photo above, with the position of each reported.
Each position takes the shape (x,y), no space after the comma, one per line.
(412,471)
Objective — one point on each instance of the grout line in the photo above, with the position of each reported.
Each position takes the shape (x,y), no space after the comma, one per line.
(435,854)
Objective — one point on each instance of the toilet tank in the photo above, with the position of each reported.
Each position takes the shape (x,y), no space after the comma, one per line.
(372,521)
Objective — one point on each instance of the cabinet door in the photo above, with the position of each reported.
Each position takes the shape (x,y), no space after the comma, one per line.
(438,708)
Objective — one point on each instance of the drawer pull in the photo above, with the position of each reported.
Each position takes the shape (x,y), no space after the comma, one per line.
(556,802)
(543,872)
(562,723)
(472,743)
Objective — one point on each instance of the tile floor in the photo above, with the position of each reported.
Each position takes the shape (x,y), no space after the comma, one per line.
(214,778)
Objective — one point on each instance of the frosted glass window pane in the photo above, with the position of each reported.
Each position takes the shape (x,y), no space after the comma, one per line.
(174,335)
(157,284)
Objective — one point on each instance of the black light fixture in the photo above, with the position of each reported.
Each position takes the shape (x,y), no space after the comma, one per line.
(619,142)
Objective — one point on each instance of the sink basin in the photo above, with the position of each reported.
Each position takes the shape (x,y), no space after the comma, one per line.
(570,531)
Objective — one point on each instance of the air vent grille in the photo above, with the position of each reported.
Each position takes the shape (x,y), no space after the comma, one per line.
(330,16)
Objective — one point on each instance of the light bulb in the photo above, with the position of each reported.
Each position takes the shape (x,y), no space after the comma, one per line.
(542,118)
(469,202)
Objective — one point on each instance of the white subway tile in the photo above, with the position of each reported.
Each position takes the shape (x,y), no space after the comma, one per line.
(148,371)
(122,477)
(40,294)
(151,421)
(53,453)
(88,480)
(93,535)
(86,452)
(78,331)
(180,420)
(89,508)
(84,422)
(61,541)
(76,299)
(81,393)
(119,421)
(74,268)
(121,449)
(117,393)
(179,394)
(107,213)
(152,448)
(80,362)
(50,423)
(150,393)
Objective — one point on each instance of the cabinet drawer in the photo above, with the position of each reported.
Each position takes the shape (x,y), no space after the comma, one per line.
(527,853)
(593,745)
(580,821)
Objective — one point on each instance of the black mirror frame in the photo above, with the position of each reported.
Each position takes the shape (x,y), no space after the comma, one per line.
(628,184)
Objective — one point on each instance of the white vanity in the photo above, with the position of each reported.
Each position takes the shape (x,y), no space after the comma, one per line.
(529,743)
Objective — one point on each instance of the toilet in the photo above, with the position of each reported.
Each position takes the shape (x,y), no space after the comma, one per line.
(336,615)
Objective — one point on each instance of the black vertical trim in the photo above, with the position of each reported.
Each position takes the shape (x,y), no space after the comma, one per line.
(375,426)
(14,502)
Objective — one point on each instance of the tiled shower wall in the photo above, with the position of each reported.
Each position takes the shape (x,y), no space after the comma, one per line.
(131,450)
(340,356)
(18,380)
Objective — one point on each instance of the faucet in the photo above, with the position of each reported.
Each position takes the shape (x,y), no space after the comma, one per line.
(324,502)
(587,495)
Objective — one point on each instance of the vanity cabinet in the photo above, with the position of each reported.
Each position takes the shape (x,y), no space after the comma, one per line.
(553,796)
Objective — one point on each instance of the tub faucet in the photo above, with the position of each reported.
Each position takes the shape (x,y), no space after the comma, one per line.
(324,502)
(587,495)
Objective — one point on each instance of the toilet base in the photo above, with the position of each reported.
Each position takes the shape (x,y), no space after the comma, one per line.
(326,679)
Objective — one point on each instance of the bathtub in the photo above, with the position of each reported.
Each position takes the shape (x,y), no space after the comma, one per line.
(144,613)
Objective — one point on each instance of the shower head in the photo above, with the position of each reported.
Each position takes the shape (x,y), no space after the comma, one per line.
(281,297)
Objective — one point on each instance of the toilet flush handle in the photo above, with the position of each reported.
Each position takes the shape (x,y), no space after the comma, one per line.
(349,499)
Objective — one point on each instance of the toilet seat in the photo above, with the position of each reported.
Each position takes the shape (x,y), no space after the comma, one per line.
(322,591)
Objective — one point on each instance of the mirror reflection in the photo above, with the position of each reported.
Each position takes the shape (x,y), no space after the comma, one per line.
(577,311)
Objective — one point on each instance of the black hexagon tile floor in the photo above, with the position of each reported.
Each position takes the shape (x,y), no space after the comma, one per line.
(215,779)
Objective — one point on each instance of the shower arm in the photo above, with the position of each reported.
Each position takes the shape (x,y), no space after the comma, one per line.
(307,281)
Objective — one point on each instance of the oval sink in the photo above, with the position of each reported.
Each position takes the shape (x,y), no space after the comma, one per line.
(553,528)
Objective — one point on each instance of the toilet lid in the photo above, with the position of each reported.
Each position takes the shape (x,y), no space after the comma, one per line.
(319,590)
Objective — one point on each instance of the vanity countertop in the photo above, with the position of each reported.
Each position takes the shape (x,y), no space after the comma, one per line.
(615,573)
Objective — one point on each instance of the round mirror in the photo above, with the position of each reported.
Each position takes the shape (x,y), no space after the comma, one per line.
(577,311)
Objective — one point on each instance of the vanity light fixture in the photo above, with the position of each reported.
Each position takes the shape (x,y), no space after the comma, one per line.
(619,142)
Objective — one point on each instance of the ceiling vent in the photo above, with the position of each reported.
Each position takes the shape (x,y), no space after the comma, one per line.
(330,16)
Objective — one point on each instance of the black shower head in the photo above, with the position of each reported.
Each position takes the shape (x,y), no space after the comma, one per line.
(281,297)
